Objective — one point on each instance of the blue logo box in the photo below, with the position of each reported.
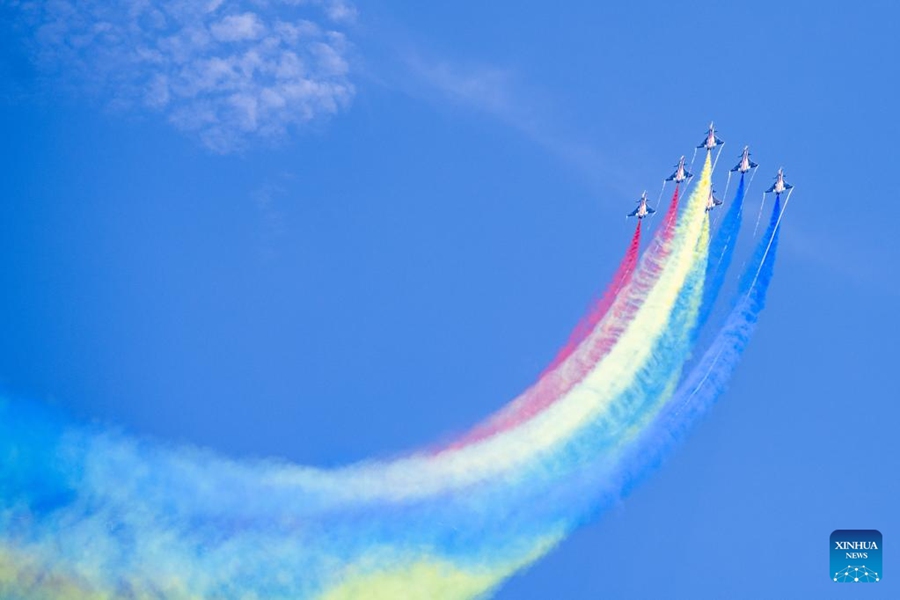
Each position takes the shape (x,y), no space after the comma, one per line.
(856,556)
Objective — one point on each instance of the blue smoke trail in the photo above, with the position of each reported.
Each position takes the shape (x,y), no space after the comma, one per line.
(721,251)
(704,384)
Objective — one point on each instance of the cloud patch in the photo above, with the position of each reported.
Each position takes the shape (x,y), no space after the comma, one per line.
(227,71)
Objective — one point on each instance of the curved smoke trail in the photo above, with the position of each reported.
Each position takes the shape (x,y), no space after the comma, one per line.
(567,370)
(550,384)
(86,512)
(601,306)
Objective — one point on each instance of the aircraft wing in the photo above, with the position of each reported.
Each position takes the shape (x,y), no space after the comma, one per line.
(771,189)
(753,165)
(650,211)
(634,212)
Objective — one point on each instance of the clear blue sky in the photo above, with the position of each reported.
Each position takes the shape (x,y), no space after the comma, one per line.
(405,261)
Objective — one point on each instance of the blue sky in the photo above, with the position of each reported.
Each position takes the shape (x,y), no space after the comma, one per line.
(401,247)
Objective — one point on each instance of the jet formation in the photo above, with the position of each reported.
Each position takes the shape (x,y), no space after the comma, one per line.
(681,175)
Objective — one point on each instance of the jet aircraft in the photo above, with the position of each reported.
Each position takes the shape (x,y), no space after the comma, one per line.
(711,140)
(680,174)
(712,201)
(745,164)
(642,210)
(780,184)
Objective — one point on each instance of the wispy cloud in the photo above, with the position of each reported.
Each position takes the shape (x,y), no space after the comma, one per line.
(271,217)
(227,71)
(482,87)
(498,93)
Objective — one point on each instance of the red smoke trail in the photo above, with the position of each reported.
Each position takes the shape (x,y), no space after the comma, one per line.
(575,359)
(660,246)
(640,284)
(587,323)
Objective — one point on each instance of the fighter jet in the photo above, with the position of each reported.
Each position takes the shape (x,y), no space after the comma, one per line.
(711,140)
(642,210)
(745,164)
(712,201)
(680,173)
(780,184)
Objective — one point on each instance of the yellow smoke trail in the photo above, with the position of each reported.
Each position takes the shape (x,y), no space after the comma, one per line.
(420,476)
(429,577)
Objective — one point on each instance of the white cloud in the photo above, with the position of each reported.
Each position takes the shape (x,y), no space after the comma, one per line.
(227,71)
(236,28)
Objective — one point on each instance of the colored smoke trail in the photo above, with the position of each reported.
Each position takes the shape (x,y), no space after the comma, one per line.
(87,512)
(722,251)
(571,484)
(601,306)
(709,378)
(567,370)
(622,468)
(638,317)
(552,448)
